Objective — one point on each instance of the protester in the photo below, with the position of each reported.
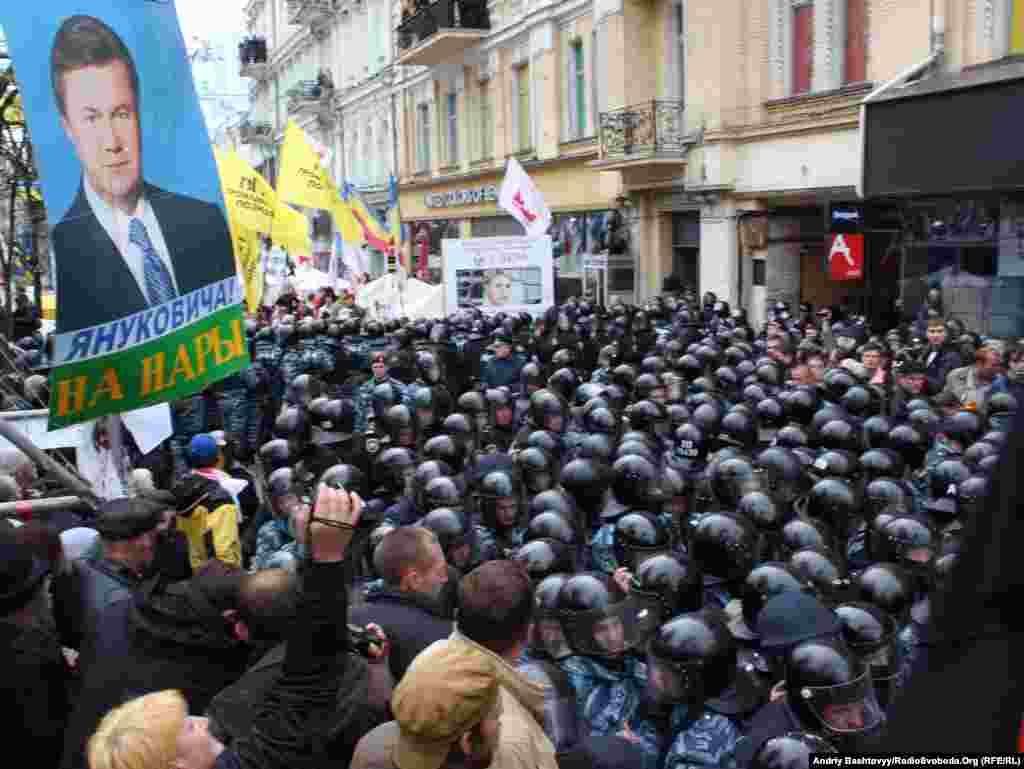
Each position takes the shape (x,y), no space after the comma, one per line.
(156,731)
(34,686)
(127,539)
(207,513)
(620,476)
(410,608)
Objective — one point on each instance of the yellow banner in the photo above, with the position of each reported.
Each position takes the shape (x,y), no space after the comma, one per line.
(345,222)
(13,113)
(291,230)
(251,202)
(303,180)
(247,252)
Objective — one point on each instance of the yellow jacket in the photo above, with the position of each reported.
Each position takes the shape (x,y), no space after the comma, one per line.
(211,528)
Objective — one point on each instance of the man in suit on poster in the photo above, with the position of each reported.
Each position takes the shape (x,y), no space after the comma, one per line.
(124,245)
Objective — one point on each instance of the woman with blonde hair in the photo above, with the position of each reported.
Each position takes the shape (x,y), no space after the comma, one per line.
(156,732)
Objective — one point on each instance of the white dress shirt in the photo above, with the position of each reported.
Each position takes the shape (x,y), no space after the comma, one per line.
(117,223)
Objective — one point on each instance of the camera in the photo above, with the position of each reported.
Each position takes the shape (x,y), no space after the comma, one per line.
(360,639)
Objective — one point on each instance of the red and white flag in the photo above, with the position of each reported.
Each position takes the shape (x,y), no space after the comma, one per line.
(521,198)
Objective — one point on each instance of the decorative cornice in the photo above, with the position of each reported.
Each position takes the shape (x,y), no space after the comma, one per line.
(988,11)
(781,6)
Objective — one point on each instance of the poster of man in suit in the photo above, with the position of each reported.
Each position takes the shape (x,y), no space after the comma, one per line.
(141,244)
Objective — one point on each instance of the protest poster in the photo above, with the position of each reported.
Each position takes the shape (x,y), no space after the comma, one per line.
(512,274)
(149,304)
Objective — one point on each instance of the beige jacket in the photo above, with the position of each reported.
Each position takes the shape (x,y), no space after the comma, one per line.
(523,743)
(964,384)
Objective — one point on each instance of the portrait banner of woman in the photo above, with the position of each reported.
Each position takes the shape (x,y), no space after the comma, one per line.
(149,304)
(505,274)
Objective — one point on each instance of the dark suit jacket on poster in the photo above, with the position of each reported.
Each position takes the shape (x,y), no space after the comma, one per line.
(94,285)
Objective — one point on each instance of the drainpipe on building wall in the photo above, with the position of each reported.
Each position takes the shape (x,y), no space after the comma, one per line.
(938,45)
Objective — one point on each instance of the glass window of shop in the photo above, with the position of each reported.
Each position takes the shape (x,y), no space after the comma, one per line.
(426,244)
(951,245)
(576,235)
(495,227)
(972,250)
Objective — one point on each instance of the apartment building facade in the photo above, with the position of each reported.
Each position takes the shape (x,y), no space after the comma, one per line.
(776,158)
(733,138)
(327,65)
(508,78)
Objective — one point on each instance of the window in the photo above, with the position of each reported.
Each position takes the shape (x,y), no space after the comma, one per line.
(855,61)
(370,169)
(452,130)
(577,101)
(1016,26)
(486,122)
(803,47)
(355,167)
(383,161)
(423,137)
(523,138)
(678,44)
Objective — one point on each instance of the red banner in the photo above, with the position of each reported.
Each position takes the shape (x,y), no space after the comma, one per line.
(846,256)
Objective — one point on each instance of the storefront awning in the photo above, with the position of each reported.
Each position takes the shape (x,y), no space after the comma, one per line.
(948,134)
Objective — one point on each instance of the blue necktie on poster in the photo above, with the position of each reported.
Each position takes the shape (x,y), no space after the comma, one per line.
(159,286)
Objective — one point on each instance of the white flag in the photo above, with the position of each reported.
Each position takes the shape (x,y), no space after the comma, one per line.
(521,198)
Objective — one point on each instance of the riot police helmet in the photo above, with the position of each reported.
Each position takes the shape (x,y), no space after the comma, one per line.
(670,584)
(598,621)
(635,482)
(725,545)
(535,467)
(637,536)
(394,470)
(792,750)
(691,659)
(830,690)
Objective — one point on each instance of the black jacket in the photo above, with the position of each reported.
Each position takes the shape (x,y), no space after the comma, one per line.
(410,622)
(978,634)
(94,285)
(946,359)
(235,709)
(82,597)
(163,637)
(292,729)
(33,692)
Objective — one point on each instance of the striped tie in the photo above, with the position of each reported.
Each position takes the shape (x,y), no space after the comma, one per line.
(159,286)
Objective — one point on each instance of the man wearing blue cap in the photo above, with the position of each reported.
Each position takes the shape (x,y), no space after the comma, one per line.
(207,512)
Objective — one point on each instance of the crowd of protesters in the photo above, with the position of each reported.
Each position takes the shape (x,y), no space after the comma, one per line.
(629,536)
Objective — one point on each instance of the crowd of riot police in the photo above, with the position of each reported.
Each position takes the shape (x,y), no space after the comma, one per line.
(733,533)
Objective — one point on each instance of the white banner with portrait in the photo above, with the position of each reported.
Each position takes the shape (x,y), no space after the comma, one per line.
(514,274)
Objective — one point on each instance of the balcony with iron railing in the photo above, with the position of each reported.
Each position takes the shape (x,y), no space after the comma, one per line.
(434,32)
(256,132)
(316,96)
(646,139)
(252,58)
(309,13)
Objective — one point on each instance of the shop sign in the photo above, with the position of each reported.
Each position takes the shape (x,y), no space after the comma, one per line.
(846,217)
(468,197)
(846,256)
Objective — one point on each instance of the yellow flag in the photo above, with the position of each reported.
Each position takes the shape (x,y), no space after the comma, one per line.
(303,180)
(250,200)
(13,113)
(247,253)
(345,222)
(291,230)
